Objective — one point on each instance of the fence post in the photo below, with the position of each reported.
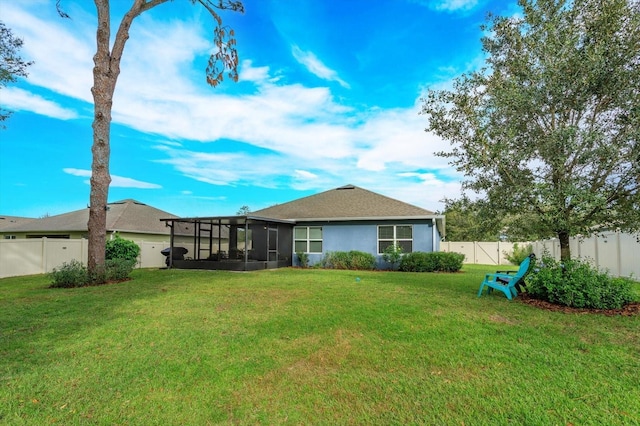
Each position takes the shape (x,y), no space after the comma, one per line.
(618,253)
(43,261)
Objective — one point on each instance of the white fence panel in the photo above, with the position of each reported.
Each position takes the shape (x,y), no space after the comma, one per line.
(150,256)
(481,252)
(43,255)
(615,252)
(21,257)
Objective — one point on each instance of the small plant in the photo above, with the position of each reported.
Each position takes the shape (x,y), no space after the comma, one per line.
(436,261)
(577,284)
(392,254)
(519,253)
(303,259)
(119,248)
(71,274)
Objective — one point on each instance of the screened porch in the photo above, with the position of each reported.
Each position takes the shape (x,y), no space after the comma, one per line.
(236,243)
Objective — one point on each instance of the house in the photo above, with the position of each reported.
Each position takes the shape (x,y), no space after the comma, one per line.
(342,219)
(10,222)
(131,219)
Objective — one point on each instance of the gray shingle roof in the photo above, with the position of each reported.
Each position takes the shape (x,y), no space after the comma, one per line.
(126,215)
(11,221)
(346,202)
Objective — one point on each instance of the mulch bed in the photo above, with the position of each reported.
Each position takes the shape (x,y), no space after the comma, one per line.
(627,311)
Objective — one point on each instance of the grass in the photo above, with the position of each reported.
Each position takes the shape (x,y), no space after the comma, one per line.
(296,346)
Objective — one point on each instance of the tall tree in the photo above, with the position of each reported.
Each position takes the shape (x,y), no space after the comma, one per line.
(469,220)
(12,65)
(105,76)
(550,128)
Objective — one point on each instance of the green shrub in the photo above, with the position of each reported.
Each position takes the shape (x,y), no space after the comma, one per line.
(362,261)
(519,253)
(577,284)
(303,259)
(71,274)
(119,248)
(118,269)
(431,262)
(392,254)
(353,259)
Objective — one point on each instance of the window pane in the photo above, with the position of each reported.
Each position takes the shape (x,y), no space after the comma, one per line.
(315,246)
(300,233)
(383,245)
(407,246)
(315,233)
(385,232)
(404,231)
(300,246)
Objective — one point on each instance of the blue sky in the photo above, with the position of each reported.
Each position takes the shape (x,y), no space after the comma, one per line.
(329,94)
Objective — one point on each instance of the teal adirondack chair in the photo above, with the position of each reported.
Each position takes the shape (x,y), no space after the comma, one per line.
(507,282)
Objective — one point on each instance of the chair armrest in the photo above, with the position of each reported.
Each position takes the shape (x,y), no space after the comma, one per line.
(495,276)
(506,272)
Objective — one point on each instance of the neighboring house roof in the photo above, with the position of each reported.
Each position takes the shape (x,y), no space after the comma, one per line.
(11,221)
(347,202)
(126,216)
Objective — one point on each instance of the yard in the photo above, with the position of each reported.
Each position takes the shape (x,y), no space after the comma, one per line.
(295,346)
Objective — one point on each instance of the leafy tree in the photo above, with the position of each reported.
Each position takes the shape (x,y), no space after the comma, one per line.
(11,64)
(469,220)
(105,76)
(549,129)
(243,211)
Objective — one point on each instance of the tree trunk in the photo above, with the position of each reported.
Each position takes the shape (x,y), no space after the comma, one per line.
(565,248)
(104,83)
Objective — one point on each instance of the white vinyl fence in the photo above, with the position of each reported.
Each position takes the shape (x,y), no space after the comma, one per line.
(483,253)
(42,255)
(615,252)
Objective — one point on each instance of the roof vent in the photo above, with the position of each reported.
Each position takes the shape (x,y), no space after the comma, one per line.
(346,187)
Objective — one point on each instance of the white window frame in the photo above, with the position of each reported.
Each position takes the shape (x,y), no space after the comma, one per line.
(395,240)
(308,240)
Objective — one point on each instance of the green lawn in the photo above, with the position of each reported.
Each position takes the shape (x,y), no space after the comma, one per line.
(296,346)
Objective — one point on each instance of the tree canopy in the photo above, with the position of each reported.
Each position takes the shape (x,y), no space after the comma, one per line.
(548,129)
(12,65)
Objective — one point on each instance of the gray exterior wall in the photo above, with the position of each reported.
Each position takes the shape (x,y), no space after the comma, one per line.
(363,236)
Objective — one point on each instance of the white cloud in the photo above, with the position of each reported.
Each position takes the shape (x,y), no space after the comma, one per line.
(316,67)
(116,181)
(454,5)
(308,139)
(16,99)
(61,49)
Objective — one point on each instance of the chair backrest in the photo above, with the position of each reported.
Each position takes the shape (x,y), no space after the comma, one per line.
(523,269)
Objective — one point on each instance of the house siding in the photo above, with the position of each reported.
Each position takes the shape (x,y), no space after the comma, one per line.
(363,236)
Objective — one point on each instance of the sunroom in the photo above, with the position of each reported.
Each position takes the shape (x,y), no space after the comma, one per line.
(235,243)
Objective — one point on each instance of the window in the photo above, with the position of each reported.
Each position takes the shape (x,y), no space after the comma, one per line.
(308,239)
(9,237)
(401,235)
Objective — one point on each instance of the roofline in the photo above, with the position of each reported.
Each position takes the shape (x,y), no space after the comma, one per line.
(216,218)
(362,218)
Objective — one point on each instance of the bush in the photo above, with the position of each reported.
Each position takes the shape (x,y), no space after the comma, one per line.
(519,253)
(303,259)
(353,259)
(71,274)
(577,284)
(431,262)
(119,248)
(392,254)
(119,269)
